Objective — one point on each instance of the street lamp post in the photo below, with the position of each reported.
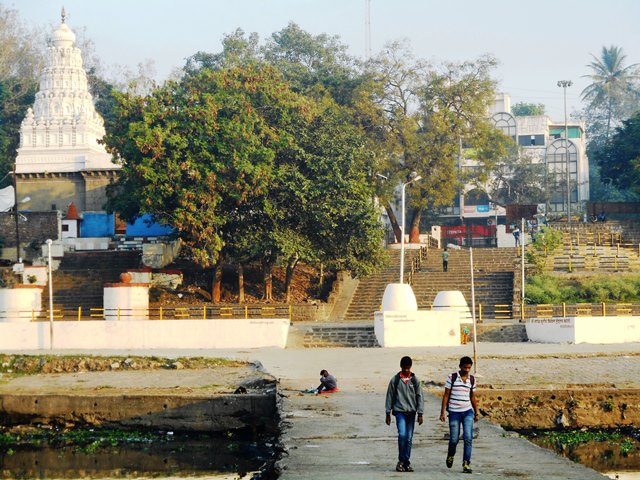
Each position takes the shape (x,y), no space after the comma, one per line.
(564,84)
(413,177)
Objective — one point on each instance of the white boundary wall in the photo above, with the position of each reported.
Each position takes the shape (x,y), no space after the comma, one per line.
(141,334)
(584,330)
(425,328)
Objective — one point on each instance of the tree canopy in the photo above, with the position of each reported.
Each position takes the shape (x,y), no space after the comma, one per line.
(523,109)
(424,119)
(245,168)
(614,88)
(612,97)
(620,163)
(21,58)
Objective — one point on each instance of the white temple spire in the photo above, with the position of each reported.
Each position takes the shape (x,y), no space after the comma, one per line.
(61,132)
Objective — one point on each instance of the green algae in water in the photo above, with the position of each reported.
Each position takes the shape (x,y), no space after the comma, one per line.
(97,453)
(601,449)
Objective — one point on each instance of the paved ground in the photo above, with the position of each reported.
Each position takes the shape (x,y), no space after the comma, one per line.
(344,435)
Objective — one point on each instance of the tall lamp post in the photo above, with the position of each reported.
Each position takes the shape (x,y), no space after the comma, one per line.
(564,84)
(413,177)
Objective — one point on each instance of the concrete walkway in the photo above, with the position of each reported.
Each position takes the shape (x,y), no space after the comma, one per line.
(344,436)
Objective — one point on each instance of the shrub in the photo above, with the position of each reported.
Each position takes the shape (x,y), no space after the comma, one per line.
(545,288)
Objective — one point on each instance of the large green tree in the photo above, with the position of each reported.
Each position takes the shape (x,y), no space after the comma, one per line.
(614,87)
(246,169)
(194,148)
(425,119)
(21,58)
(610,99)
(621,156)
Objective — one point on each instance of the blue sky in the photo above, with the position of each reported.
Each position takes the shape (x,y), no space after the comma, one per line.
(537,43)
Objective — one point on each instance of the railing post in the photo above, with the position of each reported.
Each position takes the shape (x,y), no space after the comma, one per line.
(604,309)
(160,313)
(118,313)
(564,310)
(79,312)
(290,312)
(479,312)
(33,315)
(522,312)
(246,311)
(204,312)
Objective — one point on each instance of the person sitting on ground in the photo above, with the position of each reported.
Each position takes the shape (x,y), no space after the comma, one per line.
(328,383)
(602,217)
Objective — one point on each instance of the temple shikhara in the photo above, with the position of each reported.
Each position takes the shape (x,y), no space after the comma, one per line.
(59,159)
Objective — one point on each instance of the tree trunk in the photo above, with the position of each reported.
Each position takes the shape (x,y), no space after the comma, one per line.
(267,276)
(240,283)
(414,232)
(394,222)
(216,288)
(291,265)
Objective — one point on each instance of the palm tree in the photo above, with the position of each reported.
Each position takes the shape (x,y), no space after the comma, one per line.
(613,83)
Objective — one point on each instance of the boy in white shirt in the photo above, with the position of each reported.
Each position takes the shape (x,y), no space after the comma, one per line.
(459,401)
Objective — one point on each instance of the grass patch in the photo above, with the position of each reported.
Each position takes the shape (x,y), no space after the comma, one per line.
(36,364)
(553,289)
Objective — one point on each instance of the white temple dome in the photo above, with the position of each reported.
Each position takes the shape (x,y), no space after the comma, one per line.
(63,36)
(61,132)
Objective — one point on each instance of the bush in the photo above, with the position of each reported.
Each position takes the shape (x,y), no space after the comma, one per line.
(616,288)
(545,288)
(544,243)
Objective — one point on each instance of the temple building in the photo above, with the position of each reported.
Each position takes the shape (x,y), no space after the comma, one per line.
(59,160)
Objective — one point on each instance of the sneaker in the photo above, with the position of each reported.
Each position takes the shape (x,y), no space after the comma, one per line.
(449,461)
(408,467)
(399,467)
(466,467)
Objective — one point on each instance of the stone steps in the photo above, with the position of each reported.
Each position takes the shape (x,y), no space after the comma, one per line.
(80,279)
(340,336)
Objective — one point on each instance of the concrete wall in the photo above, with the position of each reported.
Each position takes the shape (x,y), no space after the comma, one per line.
(126,301)
(584,330)
(87,190)
(100,334)
(417,329)
(38,227)
(219,413)
(594,406)
(19,304)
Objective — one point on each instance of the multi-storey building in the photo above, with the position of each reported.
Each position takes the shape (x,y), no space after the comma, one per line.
(543,140)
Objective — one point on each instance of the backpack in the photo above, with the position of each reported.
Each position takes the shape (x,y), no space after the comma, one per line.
(396,382)
(454,377)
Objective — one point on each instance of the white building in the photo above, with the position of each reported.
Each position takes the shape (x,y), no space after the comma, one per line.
(59,159)
(544,141)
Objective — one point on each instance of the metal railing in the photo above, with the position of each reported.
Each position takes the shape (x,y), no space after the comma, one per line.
(564,310)
(205,312)
(416,263)
(484,311)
